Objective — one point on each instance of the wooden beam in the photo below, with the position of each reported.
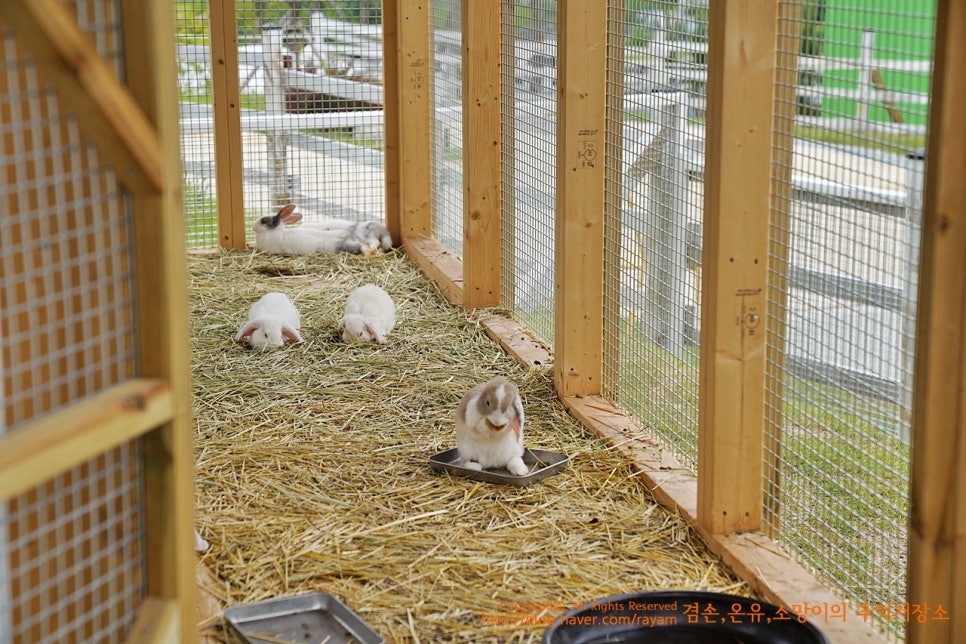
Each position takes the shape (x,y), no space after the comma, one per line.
(483,153)
(64,439)
(105,110)
(441,266)
(741,74)
(786,109)
(391,124)
(226,110)
(937,533)
(158,622)
(160,275)
(579,230)
(415,113)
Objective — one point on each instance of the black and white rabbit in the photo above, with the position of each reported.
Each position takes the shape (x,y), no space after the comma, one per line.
(272,235)
(489,427)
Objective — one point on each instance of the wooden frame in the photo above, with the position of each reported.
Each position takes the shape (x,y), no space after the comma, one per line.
(482,167)
(226,112)
(135,128)
(579,231)
(937,534)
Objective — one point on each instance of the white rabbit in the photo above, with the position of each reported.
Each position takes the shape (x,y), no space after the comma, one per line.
(200,544)
(271,320)
(489,427)
(370,314)
(273,236)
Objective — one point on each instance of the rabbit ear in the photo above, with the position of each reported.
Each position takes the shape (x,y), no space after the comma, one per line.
(291,333)
(246,331)
(376,335)
(288,214)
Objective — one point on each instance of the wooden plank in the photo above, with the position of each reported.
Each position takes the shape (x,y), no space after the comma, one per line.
(157,622)
(162,309)
(391,124)
(64,439)
(415,113)
(104,108)
(741,72)
(937,534)
(441,266)
(516,339)
(579,229)
(483,153)
(226,111)
(753,557)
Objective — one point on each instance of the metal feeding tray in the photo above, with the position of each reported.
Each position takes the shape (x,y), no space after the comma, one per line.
(541,463)
(678,617)
(315,618)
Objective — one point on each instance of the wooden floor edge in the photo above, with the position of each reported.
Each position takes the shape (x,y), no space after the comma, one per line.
(753,557)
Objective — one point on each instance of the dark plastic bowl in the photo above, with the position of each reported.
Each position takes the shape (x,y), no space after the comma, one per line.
(681,617)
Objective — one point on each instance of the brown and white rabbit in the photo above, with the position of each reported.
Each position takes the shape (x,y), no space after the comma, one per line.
(489,427)
(370,314)
(272,235)
(271,320)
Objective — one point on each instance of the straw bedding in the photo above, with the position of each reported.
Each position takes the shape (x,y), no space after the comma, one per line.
(312,469)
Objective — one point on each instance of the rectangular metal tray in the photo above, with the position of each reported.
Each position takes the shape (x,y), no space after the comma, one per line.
(541,463)
(304,619)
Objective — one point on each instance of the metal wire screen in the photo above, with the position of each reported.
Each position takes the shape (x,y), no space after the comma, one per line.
(653,253)
(76,553)
(71,557)
(197,129)
(843,282)
(529,172)
(311,77)
(447,131)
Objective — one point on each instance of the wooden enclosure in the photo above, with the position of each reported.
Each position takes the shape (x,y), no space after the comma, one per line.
(96,465)
(83,419)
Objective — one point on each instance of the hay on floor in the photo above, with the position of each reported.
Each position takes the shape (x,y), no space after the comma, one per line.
(312,467)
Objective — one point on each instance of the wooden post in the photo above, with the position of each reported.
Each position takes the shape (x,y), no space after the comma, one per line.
(786,109)
(162,307)
(226,111)
(414,105)
(741,73)
(391,124)
(579,231)
(613,208)
(937,534)
(483,153)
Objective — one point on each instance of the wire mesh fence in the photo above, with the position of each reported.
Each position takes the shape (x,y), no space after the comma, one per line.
(447,126)
(653,257)
(76,553)
(71,551)
(843,278)
(529,107)
(310,77)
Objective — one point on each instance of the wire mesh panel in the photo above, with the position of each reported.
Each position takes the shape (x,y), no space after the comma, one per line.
(76,553)
(447,130)
(529,175)
(843,279)
(310,75)
(197,136)
(654,251)
(71,553)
